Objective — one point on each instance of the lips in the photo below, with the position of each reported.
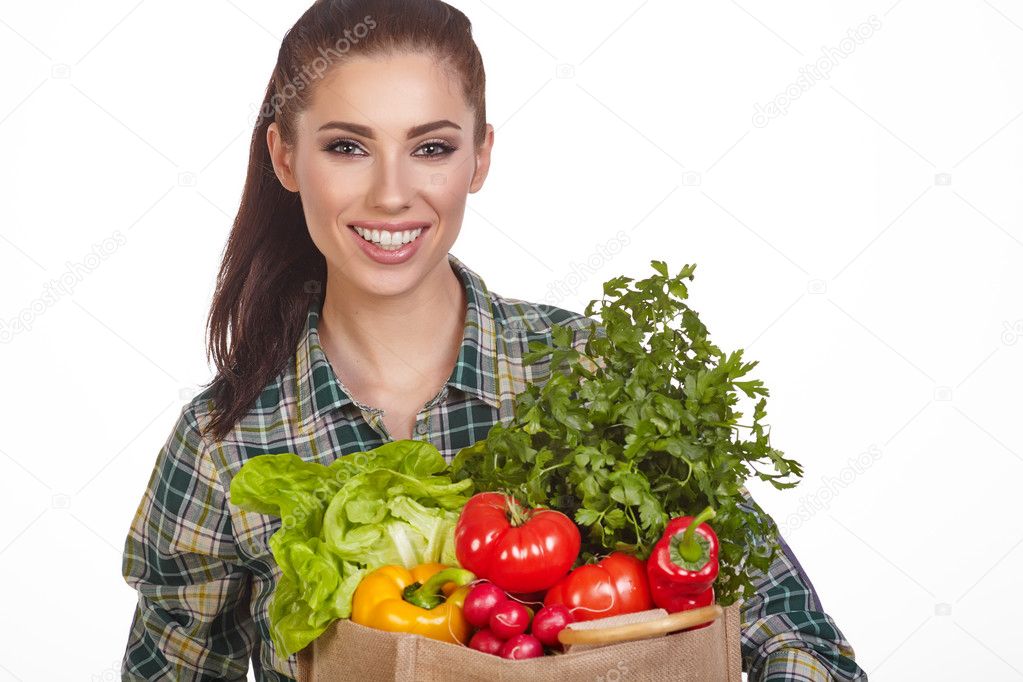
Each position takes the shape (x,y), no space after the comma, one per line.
(383,255)
(390,227)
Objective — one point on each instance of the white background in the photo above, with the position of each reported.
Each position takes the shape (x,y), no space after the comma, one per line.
(865,247)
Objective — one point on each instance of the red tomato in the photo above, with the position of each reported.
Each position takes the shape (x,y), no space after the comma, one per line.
(614,585)
(517,549)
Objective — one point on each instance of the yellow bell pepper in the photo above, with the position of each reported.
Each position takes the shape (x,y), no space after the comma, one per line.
(398,600)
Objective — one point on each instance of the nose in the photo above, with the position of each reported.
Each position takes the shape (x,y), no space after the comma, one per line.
(393,183)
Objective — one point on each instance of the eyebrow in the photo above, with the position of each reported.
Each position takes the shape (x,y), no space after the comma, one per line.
(366,131)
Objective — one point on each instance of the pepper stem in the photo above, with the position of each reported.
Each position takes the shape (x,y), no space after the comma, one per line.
(688,547)
(427,595)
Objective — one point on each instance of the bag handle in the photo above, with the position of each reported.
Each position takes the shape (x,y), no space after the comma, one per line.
(650,628)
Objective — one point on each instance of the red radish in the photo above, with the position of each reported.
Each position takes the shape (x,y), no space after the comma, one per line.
(522,646)
(486,641)
(549,622)
(480,601)
(509,618)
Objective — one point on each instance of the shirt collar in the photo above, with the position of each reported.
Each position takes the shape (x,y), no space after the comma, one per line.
(475,371)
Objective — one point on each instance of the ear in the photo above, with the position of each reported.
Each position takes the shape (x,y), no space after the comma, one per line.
(282,157)
(482,160)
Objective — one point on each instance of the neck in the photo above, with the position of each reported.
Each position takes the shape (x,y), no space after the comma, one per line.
(395,340)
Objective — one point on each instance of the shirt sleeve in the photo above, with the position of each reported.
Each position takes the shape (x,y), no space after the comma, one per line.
(786,635)
(192,621)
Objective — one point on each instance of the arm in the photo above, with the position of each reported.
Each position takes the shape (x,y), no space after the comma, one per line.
(192,620)
(786,635)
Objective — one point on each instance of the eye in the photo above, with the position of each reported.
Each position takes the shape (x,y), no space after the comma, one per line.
(442,148)
(435,148)
(334,146)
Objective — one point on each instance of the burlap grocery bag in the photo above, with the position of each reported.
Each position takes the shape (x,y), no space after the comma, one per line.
(349,651)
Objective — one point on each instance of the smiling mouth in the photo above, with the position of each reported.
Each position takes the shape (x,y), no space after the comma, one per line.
(388,240)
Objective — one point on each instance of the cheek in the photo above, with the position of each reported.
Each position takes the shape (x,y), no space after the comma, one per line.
(444,199)
(325,194)
(447,186)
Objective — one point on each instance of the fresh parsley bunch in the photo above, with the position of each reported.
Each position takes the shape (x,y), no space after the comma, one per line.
(639,426)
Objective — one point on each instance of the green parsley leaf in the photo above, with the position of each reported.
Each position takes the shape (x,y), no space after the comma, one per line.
(638,422)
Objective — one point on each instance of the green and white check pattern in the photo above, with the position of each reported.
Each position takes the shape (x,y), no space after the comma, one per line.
(202,567)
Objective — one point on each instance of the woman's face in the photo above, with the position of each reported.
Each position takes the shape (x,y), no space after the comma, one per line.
(354,161)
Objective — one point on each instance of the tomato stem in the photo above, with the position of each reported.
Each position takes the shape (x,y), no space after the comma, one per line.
(516,514)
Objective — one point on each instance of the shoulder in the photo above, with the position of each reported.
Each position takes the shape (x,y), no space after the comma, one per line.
(269,401)
(541,319)
(202,403)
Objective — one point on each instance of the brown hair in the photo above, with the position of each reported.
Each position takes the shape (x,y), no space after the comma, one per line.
(271,269)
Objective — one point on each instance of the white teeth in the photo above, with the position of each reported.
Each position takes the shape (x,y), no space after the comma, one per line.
(387,239)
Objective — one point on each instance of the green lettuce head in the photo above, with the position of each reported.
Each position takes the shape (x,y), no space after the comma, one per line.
(394,504)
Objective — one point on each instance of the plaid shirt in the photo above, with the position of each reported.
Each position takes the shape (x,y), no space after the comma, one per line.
(202,567)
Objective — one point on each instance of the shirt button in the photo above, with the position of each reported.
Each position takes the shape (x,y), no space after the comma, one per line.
(421,428)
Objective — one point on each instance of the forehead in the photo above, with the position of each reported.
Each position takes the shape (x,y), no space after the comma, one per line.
(395,92)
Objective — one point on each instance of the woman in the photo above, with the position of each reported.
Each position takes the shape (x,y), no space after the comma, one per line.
(341,321)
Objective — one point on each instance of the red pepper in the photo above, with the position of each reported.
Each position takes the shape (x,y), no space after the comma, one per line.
(614,585)
(684,564)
